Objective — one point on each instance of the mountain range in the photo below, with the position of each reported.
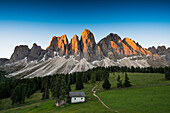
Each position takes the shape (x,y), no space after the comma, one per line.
(80,55)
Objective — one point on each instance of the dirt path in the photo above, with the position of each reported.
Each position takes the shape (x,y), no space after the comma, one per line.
(94,93)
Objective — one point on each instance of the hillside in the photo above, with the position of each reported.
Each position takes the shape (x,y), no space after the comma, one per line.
(149,93)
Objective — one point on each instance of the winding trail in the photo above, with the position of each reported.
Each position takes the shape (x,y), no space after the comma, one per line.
(94,93)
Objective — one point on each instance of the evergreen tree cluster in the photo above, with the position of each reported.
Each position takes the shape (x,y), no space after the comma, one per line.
(59,88)
(106,84)
(79,82)
(167,73)
(119,84)
(126,82)
(30,85)
(19,93)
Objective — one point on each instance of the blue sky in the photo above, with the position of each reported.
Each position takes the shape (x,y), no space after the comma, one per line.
(29,21)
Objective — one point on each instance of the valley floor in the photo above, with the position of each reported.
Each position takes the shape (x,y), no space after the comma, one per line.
(150,94)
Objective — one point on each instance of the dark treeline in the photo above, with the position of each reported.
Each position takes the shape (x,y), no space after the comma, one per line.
(19,89)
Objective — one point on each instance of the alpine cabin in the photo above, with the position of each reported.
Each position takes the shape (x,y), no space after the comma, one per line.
(76,97)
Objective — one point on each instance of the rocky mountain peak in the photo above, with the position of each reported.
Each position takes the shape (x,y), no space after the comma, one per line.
(135,47)
(161,48)
(113,37)
(87,40)
(128,39)
(34,45)
(75,37)
(3,61)
(20,52)
(152,49)
(162,52)
(35,52)
(87,37)
(89,47)
(74,47)
(168,49)
(57,45)
(64,38)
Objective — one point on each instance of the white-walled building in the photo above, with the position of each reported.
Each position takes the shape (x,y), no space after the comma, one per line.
(76,97)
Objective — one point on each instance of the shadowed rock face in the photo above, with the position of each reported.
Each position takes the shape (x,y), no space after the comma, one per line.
(153,50)
(162,52)
(35,52)
(3,61)
(90,50)
(20,53)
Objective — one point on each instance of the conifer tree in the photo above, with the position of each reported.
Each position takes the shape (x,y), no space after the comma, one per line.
(127,82)
(23,92)
(93,78)
(79,83)
(59,88)
(68,85)
(106,84)
(14,95)
(29,91)
(119,84)
(18,94)
(46,89)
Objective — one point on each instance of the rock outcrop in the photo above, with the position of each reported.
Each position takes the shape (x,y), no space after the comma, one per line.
(111,46)
(3,61)
(81,55)
(91,51)
(58,46)
(162,52)
(20,52)
(74,47)
(153,50)
(135,47)
(35,52)
(115,48)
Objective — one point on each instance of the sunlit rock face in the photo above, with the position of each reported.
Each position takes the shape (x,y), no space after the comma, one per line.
(20,53)
(113,47)
(135,47)
(58,45)
(90,50)
(74,47)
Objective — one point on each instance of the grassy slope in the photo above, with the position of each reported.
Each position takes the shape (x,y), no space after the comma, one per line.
(125,100)
(48,106)
(138,100)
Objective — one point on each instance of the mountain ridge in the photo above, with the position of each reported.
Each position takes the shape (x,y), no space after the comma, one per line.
(82,54)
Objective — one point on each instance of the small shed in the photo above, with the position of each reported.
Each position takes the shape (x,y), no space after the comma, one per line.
(76,97)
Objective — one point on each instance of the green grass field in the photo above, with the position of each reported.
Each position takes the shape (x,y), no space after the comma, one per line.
(138,100)
(150,94)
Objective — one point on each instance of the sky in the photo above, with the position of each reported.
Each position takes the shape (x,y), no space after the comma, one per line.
(24,22)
